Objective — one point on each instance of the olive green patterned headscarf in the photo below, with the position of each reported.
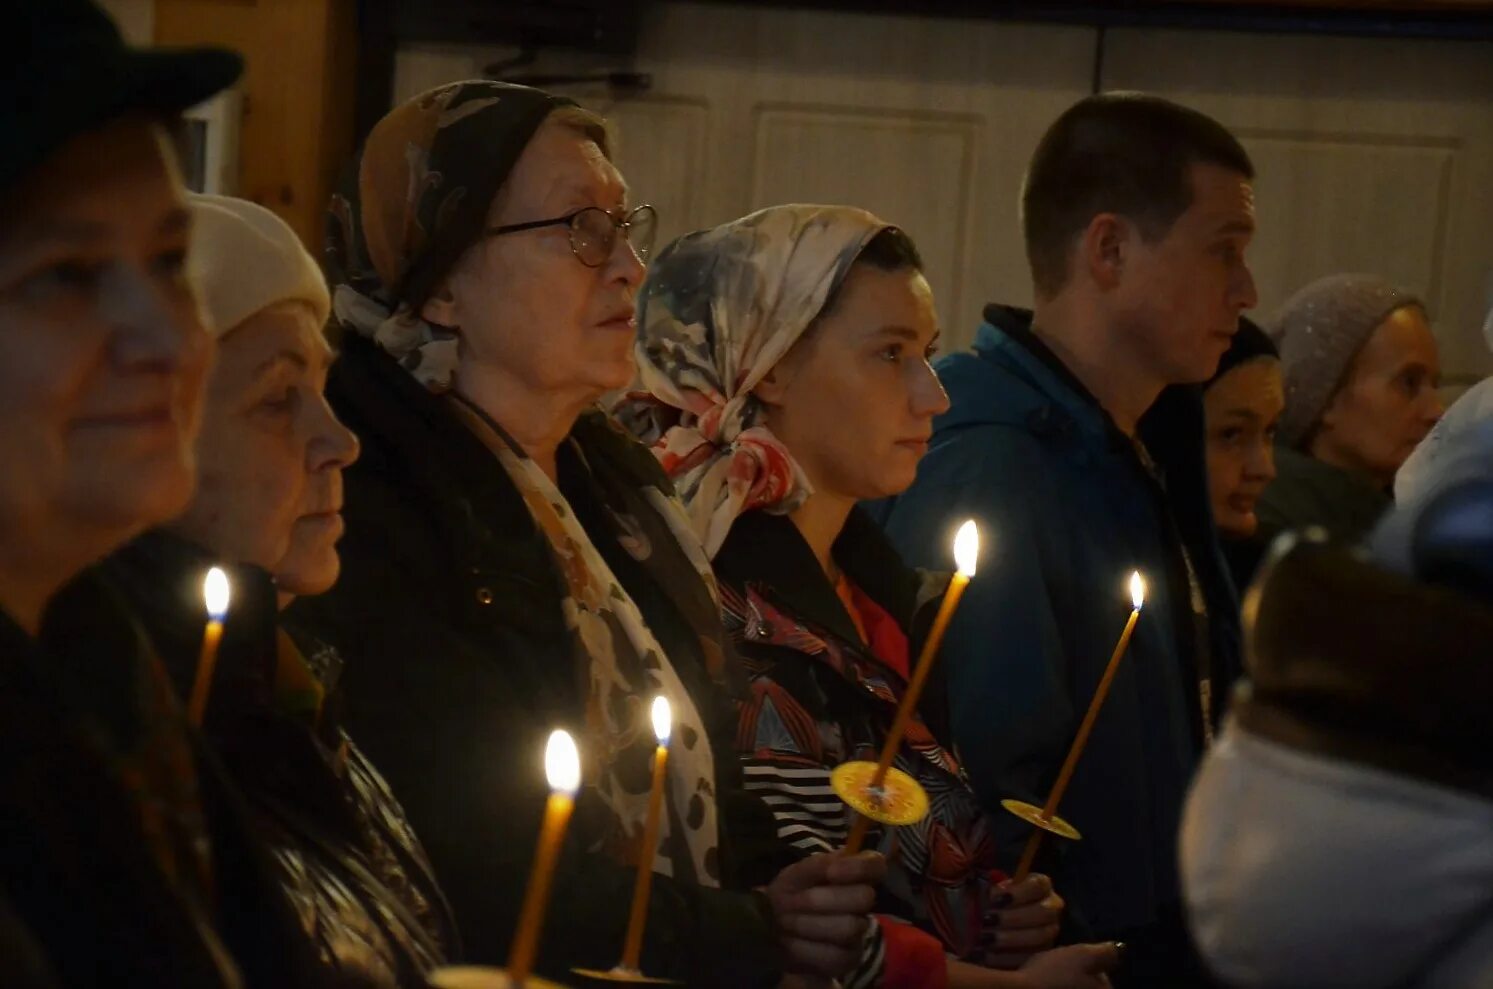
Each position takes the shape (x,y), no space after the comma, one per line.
(414,202)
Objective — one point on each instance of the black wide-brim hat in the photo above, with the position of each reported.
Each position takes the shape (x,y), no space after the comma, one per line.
(68,71)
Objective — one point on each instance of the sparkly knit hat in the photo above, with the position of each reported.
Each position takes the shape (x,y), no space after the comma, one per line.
(1320,330)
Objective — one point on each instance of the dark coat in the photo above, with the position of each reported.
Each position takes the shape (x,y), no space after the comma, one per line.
(349,863)
(1308,493)
(449,617)
(1068,510)
(125,857)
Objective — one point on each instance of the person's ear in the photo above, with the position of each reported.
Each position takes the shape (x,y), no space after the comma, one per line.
(1103,247)
(1331,414)
(440,308)
(773,387)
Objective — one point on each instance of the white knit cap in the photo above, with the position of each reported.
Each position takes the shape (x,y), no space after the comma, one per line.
(245,258)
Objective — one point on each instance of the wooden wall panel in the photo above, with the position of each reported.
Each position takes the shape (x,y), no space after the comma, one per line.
(298,87)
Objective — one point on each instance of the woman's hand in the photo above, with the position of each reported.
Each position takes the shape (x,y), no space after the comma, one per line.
(1022,920)
(1079,966)
(821,907)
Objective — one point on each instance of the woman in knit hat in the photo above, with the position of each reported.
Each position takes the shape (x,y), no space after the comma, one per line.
(515,563)
(1242,404)
(1361,374)
(785,361)
(267,510)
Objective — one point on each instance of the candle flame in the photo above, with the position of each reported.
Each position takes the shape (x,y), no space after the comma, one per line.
(967,548)
(562,763)
(663,719)
(215,593)
(1137,589)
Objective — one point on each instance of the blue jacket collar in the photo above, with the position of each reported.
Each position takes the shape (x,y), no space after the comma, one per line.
(1028,389)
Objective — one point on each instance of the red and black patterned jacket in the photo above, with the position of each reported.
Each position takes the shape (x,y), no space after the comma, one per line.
(820,695)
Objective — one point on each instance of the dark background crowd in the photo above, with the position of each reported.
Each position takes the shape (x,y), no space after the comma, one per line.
(499,464)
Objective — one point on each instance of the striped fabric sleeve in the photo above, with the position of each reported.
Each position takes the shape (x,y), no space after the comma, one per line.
(868,972)
(810,817)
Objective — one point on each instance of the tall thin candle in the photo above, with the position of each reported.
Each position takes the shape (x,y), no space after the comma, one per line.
(215,593)
(966,557)
(562,766)
(632,951)
(1081,740)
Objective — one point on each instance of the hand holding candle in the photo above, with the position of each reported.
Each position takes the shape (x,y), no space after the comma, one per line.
(966,556)
(1081,740)
(215,592)
(562,766)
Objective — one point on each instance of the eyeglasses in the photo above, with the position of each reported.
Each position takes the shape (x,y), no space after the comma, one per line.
(593,232)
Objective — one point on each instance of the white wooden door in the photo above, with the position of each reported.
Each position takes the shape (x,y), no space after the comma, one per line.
(1373,155)
(927,122)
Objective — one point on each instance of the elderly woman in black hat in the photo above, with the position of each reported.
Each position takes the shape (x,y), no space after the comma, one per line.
(118,858)
(515,563)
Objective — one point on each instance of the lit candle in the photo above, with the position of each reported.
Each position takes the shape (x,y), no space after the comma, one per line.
(562,766)
(632,950)
(966,555)
(215,594)
(1065,776)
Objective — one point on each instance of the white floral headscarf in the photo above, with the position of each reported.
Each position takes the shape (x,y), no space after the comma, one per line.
(718,311)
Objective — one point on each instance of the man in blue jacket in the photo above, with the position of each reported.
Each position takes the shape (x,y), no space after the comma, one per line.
(1077,444)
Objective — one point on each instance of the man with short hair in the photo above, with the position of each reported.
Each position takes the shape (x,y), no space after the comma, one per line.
(1072,444)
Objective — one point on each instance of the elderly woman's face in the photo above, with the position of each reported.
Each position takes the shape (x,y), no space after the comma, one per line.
(526,308)
(1389,401)
(102,351)
(854,401)
(1243,408)
(272,453)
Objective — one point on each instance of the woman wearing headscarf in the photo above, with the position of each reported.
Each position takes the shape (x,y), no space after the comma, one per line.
(784,368)
(121,859)
(1361,376)
(1242,405)
(270,458)
(513,562)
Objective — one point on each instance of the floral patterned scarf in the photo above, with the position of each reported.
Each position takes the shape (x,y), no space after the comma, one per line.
(718,311)
(614,635)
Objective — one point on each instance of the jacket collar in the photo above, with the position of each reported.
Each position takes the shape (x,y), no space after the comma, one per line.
(769,552)
(427,496)
(765,554)
(1006,340)
(1038,394)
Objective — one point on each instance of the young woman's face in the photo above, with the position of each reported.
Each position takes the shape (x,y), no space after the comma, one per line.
(1243,409)
(272,453)
(102,350)
(854,401)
